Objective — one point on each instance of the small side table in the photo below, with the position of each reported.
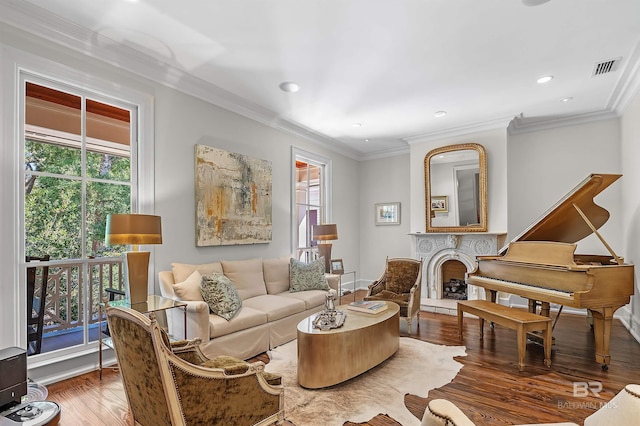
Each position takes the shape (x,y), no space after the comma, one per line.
(154,303)
(347,291)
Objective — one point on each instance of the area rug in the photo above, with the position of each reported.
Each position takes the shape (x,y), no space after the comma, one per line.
(416,368)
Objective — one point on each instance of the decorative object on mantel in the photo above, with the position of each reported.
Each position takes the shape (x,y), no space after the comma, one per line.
(233,198)
(322,234)
(387,213)
(134,229)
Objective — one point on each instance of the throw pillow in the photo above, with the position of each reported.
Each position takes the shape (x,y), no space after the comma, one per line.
(181,271)
(307,276)
(189,289)
(221,296)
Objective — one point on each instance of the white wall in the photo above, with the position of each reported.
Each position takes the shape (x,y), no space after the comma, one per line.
(546,165)
(630,143)
(182,122)
(381,181)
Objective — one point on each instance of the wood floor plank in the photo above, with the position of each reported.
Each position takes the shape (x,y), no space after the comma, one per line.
(489,389)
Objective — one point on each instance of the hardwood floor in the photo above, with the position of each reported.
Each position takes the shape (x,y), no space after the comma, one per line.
(489,388)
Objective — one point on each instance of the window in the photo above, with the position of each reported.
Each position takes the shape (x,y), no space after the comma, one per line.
(311,183)
(78,153)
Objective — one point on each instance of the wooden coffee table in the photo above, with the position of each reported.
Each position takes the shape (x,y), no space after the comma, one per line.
(329,357)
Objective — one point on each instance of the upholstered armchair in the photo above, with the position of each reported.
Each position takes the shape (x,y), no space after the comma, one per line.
(622,410)
(400,283)
(175,384)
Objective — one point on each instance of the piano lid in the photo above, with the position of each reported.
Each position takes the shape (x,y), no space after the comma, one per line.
(562,222)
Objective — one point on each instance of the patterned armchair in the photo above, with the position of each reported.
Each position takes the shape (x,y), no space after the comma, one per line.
(400,283)
(175,384)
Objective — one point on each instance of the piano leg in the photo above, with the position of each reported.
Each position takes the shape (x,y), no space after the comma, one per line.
(533,306)
(545,309)
(602,318)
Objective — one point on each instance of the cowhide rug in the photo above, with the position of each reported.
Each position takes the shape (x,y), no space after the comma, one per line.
(416,368)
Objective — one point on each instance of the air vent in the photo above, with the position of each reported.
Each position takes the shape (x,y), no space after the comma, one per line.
(605,67)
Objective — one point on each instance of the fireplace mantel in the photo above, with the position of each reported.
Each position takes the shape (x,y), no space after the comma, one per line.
(437,248)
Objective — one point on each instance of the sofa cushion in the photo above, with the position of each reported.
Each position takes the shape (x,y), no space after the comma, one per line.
(181,271)
(276,274)
(311,298)
(276,307)
(221,296)
(307,276)
(245,318)
(189,289)
(246,276)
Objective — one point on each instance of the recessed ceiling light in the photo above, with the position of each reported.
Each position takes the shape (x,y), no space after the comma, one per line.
(356,125)
(567,99)
(439,114)
(289,86)
(545,79)
(366,140)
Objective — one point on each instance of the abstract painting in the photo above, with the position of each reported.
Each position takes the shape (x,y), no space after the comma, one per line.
(233,198)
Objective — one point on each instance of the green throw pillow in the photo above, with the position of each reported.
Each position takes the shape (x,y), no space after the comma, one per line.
(307,276)
(221,296)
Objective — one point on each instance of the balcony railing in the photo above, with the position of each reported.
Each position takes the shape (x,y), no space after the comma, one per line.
(66,295)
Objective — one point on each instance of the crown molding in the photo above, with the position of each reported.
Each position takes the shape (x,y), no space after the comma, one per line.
(393,152)
(36,21)
(25,17)
(628,83)
(499,123)
(524,125)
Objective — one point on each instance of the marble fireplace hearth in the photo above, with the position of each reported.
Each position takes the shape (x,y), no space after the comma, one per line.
(438,248)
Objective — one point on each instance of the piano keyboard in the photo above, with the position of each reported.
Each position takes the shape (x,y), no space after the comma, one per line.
(518,288)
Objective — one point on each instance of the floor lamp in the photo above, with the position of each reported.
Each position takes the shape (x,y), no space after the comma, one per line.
(134,229)
(322,234)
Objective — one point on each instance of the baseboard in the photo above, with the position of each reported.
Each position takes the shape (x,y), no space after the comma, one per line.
(631,323)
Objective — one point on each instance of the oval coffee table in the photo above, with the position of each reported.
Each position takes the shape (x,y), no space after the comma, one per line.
(329,357)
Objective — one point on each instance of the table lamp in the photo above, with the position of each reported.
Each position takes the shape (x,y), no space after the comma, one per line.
(134,229)
(322,234)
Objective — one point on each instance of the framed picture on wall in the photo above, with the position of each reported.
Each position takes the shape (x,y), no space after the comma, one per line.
(440,204)
(337,267)
(387,213)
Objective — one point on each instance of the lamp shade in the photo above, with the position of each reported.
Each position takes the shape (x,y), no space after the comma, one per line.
(324,232)
(133,229)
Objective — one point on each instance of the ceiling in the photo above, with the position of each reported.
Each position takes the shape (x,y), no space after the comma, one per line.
(386,65)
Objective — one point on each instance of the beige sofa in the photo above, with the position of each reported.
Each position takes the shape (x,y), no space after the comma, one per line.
(268,317)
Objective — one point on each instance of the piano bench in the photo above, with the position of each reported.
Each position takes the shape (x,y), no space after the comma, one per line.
(515,319)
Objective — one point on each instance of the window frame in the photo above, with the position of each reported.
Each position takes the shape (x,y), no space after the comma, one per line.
(298,154)
(16,67)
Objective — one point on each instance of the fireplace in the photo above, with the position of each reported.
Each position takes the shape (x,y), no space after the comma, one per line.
(448,257)
(453,280)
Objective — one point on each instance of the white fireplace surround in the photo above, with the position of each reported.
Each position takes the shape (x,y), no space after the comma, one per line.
(437,248)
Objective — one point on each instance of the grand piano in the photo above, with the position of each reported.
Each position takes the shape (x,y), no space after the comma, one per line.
(541,265)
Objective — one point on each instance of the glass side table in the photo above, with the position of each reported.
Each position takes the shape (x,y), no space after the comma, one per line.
(347,291)
(153,304)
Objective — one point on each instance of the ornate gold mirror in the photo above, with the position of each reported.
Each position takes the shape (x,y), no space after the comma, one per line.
(456,188)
